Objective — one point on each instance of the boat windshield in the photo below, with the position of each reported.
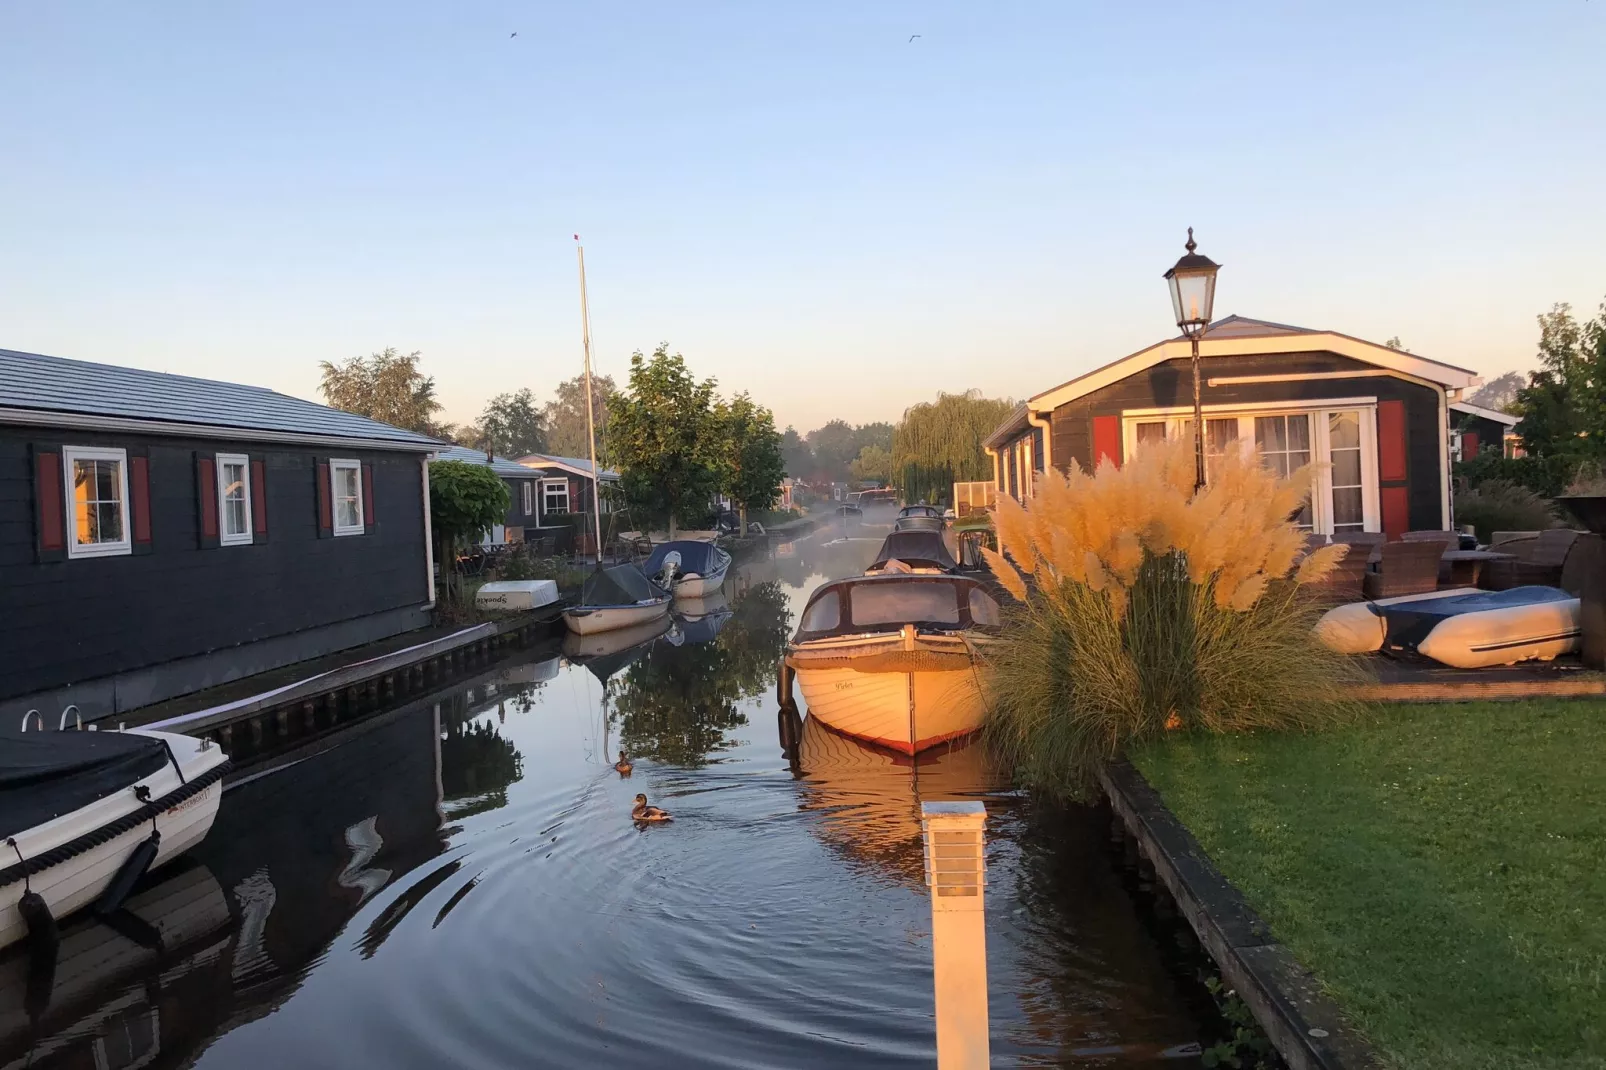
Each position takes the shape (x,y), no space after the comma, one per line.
(900,603)
(825,614)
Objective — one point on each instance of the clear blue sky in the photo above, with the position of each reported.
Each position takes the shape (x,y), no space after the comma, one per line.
(805,203)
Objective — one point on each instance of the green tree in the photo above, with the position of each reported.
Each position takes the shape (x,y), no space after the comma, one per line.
(1563,407)
(387,387)
(513,425)
(939,443)
(796,455)
(465,501)
(752,466)
(664,436)
(873,434)
(873,465)
(564,417)
(834,446)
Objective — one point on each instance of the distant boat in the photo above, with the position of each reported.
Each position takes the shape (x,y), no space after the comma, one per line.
(913,551)
(85,809)
(848,509)
(698,568)
(616,597)
(891,659)
(919,518)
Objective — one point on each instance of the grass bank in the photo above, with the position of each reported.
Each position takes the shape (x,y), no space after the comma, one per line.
(1441,868)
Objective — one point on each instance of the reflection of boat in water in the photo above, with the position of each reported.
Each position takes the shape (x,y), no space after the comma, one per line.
(891,659)
(698,567)
(870,797)
(701,619)
(605,653)
(80,806)
(617,597)
(168,928)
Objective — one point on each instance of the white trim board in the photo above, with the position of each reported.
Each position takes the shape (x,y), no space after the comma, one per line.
(1445,376)
(1488,414)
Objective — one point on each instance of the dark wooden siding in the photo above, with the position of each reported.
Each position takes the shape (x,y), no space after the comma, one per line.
(73,620)
(516,517)
(1171,384)
(1491,433)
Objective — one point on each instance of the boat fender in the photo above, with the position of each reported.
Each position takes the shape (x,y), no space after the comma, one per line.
(133,868)
(43,934)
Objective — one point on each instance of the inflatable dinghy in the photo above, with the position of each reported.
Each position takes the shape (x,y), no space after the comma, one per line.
(1473,631)
(1358,628)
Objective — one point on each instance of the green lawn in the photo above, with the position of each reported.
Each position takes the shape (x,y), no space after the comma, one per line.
(1441,868)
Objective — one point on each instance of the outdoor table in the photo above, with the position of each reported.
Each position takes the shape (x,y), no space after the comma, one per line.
(1466,566)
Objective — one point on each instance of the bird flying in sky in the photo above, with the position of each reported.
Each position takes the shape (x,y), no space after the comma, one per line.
(512,35)
(913,36)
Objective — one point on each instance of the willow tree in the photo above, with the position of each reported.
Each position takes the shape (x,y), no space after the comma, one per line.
(939,443)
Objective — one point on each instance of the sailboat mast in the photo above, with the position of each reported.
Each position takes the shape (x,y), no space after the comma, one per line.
(591,426)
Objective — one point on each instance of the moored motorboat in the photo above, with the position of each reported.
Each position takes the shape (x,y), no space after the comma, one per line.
(82,812)
(1359,627)
(691,569)
(923,552)
(919,518)
(891,659)
(1464,628)
(616,597)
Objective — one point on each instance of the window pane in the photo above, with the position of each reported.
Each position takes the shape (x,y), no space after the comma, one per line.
(1299,434)
(1220,434)
(1344,430)
(1347,508)
(348,515)
(897,603)
(1298,459)
(1271,434)
(346,480)
(1153,431)
(983,609)
(106,481)
(824,614)
(110,522)
(84,523)
(1346,468)
(234,517)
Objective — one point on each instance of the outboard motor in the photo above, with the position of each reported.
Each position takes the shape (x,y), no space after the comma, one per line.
(670,570)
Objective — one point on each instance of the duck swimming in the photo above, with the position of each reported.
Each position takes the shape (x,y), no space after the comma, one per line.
(642,812)
(623,766)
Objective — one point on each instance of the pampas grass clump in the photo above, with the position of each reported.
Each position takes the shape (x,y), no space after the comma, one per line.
(1145,608)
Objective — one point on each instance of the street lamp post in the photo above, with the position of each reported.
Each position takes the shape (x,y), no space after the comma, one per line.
(1193,293)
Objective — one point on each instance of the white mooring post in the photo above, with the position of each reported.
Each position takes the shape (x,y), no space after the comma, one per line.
(956,873)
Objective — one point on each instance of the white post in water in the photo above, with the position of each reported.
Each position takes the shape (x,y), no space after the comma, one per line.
(956,873)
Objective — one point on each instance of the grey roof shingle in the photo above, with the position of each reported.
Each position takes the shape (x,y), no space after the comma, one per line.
(500,465)
(55,384)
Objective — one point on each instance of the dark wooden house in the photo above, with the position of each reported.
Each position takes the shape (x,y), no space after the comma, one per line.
(1375,419)
(524,494)
(161,534)
(1475,429)
(563,491)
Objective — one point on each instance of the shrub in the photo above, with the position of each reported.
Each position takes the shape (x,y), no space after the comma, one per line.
(1588,480)
(1149,609)
(1496,505)
(1545,476)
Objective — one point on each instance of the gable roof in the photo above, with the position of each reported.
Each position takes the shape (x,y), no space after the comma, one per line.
(1239,335)
(56,392)
(577,465)
(502,466)
(1488,414)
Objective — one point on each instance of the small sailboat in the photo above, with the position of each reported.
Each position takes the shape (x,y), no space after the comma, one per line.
(84,812)
(691,569)
(619,596)
(891,659)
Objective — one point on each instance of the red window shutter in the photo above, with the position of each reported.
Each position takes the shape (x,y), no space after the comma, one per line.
(50,509)
(320,473)
(259,499)
(1396,503)
(576,501)
(139,500)
(206,497)
(1391,441)
(1469,445)
(1106,439)
(368,518)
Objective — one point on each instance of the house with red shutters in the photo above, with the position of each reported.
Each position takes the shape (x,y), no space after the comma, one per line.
(1377,421)
(160,534)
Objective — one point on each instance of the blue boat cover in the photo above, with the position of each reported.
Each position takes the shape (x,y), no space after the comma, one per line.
(1408,623)
(696,558)
(44,775)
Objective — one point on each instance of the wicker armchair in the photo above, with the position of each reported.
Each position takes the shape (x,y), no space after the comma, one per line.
(1539,561)
(1405,568)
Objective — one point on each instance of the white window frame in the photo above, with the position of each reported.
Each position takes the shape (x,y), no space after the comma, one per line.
(527,497)
(568,506)
(71,454)
(1318,410)
(340,465)
(223,536)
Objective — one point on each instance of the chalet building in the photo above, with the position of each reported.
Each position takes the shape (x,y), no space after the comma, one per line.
(1378,419)
(564,487)
(161,534)
(524,493)
(1474,429)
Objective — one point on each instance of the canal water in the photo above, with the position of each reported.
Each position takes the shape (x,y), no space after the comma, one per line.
(456,882)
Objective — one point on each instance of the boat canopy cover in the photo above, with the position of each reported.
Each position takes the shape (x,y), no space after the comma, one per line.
(44,775)
(919,510)
(922,549)
(619,585)
(696,558)
(1408,623)
(885,603)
